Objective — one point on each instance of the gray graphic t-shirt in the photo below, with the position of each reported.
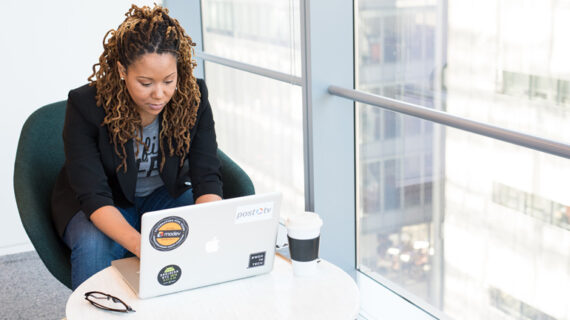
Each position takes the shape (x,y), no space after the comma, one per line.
(148,162)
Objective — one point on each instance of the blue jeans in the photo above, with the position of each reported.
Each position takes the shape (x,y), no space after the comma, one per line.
(92,251)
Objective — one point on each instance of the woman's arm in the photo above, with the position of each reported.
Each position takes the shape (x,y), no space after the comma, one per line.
(205,167)
(83,159)
(86,174)
(112,223)
(208,198)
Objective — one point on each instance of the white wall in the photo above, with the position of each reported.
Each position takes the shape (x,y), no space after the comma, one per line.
(46,49)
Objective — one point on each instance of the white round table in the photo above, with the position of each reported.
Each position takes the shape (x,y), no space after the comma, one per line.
(330,294)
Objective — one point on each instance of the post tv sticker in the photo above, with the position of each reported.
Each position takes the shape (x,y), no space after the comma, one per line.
(168,233)
(169,275)
(256,212)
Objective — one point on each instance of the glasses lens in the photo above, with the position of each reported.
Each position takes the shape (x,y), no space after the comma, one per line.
(105,302)
(97,296)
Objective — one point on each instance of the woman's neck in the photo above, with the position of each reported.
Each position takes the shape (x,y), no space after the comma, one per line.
(147,120)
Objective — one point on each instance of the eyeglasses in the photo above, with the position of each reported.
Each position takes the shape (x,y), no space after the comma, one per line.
(107,302)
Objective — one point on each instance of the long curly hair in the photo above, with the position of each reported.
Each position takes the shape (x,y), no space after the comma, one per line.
(146,30)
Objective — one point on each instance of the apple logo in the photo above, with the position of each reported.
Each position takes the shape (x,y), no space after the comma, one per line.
(213,245)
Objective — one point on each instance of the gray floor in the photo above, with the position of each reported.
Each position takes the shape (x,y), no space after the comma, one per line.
(28,290)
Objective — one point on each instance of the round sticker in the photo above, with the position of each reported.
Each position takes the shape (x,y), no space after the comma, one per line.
(168,233)
(169,275)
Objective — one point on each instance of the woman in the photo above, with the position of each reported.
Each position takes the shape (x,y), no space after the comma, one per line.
(139,137)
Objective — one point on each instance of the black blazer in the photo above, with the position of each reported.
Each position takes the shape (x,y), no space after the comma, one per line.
(89,179)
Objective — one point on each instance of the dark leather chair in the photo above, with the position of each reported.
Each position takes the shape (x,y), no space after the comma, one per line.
(39,158)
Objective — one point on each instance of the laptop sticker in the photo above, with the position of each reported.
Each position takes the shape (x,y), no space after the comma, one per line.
(169,275)
(256,259)
(168,233)
(252,213)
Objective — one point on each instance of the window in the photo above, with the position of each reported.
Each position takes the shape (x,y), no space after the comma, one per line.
(259,124)
(453,219)
(259,120)
(263,33)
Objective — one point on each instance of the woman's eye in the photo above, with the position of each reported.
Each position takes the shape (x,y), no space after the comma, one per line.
(145,84)
(169,81)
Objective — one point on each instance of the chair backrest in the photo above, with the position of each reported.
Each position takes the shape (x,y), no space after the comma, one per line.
(236,182)
(39,159)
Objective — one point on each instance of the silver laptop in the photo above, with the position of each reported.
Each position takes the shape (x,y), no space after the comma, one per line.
(204,244)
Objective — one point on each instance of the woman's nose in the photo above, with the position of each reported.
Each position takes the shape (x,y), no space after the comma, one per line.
(158,92)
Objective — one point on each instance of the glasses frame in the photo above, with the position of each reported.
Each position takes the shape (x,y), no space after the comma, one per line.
(89,295)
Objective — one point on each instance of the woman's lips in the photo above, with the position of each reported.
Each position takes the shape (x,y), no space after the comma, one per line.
(155,106)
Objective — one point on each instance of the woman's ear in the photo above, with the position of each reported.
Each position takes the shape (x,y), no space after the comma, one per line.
(122,70)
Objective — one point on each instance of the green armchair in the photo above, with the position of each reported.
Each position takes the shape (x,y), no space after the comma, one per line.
(39,158)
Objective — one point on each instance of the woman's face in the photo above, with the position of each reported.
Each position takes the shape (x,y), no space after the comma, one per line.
(151,82)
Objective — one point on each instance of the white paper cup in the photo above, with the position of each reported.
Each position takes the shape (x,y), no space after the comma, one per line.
(303,232)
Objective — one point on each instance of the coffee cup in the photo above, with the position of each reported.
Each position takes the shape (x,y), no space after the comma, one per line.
(303,233)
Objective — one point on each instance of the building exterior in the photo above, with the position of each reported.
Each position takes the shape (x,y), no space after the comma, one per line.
(476,227)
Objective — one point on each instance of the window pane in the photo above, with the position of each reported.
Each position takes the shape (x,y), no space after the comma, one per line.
(483,226)
(259,125)
(265,33)
(476,227)
(483,61)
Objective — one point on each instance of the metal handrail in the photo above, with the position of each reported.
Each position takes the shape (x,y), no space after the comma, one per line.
(522,139)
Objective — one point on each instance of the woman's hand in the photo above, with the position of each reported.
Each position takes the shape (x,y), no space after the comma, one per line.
(112,223)
(208,198)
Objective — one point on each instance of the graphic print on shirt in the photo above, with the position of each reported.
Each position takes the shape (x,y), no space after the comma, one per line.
(148,161)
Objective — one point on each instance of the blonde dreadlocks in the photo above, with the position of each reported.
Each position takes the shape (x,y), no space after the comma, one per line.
(146,30)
